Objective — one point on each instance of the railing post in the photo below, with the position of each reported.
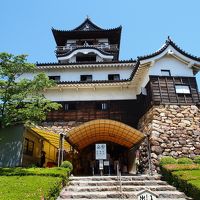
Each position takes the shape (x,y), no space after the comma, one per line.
(149,156)
(119,178)
(120,182)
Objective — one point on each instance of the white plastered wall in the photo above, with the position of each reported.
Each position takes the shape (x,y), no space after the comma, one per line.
(168,62)
(90,94)
(74,74)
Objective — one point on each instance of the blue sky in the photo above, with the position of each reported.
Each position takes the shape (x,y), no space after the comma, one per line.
(26,25)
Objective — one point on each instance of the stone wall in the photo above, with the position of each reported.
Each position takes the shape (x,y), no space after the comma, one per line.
(173,131)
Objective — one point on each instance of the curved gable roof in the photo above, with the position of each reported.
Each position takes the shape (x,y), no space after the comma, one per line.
(87,25)
(168,43)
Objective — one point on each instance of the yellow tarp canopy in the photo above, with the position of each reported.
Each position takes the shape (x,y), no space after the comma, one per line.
(52,137)
(104,130)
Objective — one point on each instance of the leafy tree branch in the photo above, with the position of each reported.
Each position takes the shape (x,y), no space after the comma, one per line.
(22,100)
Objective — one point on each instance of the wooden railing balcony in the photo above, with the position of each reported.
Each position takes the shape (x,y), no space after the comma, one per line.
(104,47)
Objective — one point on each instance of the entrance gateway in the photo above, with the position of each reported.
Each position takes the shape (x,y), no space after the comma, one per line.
(103,144)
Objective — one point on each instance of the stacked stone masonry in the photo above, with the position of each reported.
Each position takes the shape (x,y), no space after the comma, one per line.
(173,131)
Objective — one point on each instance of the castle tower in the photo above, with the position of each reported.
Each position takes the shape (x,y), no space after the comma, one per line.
(87,43)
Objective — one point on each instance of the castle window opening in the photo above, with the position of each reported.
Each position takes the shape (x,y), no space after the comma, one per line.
(55,78)
(86,78)
(113,77)
(182,89)
(165,72)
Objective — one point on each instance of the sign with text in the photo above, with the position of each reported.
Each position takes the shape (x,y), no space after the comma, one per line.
(106,163)
(147,195)
(101,164)
(101,151)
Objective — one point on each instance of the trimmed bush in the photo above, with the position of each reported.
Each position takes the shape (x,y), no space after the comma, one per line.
(32,183)
(165,160)
(197,159)
(185,161)
(187,181)
(67,164)
(178,167)
(19,171)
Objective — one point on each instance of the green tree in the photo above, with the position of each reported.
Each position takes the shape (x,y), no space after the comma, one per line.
(21,100)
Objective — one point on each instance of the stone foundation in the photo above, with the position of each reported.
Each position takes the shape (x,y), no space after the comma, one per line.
(173,131)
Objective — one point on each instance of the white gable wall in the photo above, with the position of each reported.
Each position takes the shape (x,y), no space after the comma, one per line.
(168,62)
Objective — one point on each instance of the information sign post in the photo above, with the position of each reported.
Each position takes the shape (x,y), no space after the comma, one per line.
(100,154)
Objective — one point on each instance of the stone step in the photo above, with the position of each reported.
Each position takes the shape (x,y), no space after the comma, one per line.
(59,198)
(109,178)
(116,188)
(107,187)
(116,183)
(127,195)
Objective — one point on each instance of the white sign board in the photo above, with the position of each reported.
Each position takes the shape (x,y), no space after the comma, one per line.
(106,163)
(147,195)
(100,164)
(101,151)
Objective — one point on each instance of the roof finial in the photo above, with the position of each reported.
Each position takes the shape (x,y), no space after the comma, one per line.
(168,38)
(87,17)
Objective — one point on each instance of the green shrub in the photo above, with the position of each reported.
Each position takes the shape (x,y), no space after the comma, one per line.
(178,167)
(185,161)
(19,171)
(167,160)
(67,164)
(197,159)
(187,181)
(30,187)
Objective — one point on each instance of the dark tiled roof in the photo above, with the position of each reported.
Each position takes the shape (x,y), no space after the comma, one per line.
(89,23)
(134,69)
(86,63)
(174,45)
(92,82)
(91,27)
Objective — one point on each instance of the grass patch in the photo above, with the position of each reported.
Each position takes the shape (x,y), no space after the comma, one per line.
(29,187)
(188,174)
(32,183)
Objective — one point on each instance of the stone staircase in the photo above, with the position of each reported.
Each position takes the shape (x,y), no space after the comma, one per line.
(107,187)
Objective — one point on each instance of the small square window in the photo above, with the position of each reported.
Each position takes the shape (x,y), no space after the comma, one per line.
(165,72)
(86,78)
(55,78)
(28,147)
(69,106)
(182,89)
(102,106)
(113,77)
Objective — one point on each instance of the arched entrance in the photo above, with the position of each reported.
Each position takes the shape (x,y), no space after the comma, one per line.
(119,138)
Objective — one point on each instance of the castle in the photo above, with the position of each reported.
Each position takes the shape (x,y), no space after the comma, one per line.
(141,109)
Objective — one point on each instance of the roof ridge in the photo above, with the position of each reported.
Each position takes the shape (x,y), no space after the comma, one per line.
(168,42)
(87,20)
(178,48)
